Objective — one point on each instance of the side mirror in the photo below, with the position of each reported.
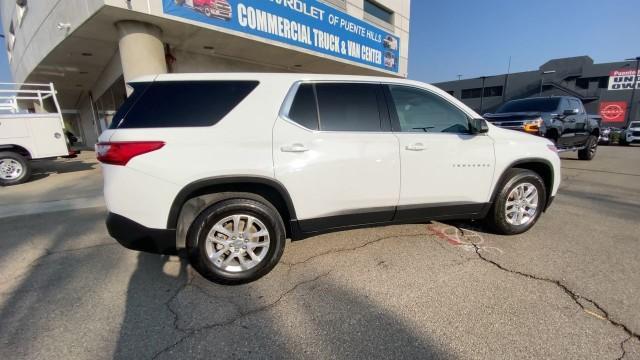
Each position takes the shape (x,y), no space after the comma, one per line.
(479,126)
(571,112)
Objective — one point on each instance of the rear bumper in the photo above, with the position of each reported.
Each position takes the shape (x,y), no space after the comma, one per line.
(134,236)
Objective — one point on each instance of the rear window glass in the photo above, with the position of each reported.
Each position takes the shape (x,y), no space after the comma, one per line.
(180,104)
(530,105)
(348,107)
(304,110)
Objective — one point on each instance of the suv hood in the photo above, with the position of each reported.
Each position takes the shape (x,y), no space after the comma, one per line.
(519,115)
(499,133)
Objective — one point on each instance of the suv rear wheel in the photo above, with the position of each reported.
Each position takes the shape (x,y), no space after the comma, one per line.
(236,241)
(519,202)
(14,168)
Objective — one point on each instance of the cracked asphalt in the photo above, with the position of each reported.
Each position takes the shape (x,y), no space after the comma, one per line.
(568,289)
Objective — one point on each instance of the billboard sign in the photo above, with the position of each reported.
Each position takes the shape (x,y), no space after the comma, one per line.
(613,111)
(624,79)
(307,24)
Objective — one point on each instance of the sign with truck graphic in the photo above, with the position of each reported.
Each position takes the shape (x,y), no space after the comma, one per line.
(307,24)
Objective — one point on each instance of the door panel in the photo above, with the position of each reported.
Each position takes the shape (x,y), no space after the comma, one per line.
(443,165)
(453,169)
(337,173)
(331,153)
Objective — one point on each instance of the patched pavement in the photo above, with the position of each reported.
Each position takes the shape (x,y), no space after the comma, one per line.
(568,289)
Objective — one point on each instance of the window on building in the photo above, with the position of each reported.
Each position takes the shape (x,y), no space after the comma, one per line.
(493,91)
(342,4)
(471,93)
(348,107)
(582,83)
(378,11)
(304,109)
(421,111)
(452,93)
(181,104)
(603,82)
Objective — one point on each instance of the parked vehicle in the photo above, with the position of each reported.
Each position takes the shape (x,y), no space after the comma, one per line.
(561,119)
(631,134)
(609,135)
(211,8)
(279,156)
(28,136)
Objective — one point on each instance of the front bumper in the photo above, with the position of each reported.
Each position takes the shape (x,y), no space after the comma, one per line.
(134,236)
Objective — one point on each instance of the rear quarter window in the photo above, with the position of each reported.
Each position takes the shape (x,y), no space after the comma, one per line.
(181,103)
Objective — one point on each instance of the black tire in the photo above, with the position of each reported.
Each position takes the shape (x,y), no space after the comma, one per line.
(591,147)
(251,205)
(624,142)
(497,217)
(24,174)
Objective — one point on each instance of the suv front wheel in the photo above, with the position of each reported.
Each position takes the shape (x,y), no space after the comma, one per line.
(519,202)
(236,241)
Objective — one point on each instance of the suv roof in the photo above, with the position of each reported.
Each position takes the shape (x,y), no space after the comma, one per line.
(273,77)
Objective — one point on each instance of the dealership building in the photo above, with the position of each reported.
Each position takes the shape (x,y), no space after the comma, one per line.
(89,49)
(605,89)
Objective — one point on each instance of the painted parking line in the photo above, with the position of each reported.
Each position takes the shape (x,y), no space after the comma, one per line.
(51,206)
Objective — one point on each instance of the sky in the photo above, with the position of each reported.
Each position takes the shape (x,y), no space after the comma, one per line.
(475,38)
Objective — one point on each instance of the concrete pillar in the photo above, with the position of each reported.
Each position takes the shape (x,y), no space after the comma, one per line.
(141,49)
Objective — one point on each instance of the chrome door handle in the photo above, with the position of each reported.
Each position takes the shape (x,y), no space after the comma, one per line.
(415,147)
(294,148)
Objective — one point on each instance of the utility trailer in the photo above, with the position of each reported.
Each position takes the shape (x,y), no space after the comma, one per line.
(27,135)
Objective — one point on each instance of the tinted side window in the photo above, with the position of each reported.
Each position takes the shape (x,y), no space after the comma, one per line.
(138,90)
(575,105)
(421,111)
(184,104)
(304,109)
(348,107)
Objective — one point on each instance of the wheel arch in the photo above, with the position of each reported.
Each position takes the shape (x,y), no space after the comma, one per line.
(17,149)
(540,166)
(206,189)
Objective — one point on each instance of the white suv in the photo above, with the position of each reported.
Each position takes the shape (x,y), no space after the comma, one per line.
(224,167)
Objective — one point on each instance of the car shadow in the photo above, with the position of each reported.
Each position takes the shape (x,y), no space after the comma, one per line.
(317,318)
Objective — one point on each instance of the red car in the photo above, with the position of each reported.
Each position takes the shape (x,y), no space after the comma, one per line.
(220,9)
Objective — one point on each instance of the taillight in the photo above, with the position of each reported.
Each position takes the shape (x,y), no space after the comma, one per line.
(119,153)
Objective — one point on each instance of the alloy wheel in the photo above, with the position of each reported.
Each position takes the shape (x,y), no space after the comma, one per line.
(522,204)
(237,243)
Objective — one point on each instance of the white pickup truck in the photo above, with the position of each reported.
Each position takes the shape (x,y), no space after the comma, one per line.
(28,135)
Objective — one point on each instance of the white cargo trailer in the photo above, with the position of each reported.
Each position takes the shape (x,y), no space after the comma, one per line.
(30,134)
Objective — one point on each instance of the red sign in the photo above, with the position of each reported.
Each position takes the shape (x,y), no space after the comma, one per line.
(613,111)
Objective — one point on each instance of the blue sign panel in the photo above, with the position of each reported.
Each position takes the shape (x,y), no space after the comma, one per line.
(308,24)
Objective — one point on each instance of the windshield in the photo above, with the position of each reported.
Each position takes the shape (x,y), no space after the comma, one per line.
(634,124)
(530,105)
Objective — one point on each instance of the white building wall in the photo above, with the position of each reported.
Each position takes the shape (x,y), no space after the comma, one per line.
(36,33)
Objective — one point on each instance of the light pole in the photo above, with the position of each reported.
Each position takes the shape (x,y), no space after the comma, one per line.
(633,91)
(482,93)
(542,80)
(459,77)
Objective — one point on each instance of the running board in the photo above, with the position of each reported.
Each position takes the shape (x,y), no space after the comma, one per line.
(575,148)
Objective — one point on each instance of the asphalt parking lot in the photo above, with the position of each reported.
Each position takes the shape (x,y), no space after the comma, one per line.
(568,289)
